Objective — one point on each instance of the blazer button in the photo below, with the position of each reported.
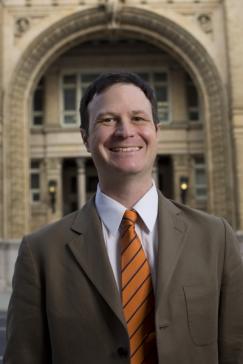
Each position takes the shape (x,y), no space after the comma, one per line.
(122,352)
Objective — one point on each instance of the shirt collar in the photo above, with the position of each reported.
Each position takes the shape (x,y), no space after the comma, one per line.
(147,207)
(111,211)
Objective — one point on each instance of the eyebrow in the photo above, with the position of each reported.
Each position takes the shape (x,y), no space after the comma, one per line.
(133,112)
(139,112)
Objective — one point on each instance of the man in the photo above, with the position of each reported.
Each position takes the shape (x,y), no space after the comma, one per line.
(132,277)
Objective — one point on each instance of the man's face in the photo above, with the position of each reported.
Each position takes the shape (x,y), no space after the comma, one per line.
(122,135)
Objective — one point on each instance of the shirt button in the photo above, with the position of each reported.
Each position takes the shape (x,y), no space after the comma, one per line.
(122,352)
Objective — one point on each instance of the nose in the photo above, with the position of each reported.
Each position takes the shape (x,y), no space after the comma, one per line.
(124,129)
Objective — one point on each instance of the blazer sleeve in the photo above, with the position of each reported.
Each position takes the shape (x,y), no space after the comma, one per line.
(231,303)
(27,339)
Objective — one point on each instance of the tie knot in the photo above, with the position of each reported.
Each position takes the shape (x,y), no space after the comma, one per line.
(130,216)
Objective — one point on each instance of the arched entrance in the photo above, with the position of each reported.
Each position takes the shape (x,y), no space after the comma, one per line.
(136,23)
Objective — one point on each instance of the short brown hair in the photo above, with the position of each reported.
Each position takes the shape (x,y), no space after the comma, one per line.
(106,80)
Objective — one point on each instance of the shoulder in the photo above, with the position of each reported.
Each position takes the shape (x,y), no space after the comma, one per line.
(203,230)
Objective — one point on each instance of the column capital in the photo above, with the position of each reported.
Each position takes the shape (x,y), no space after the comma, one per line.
(80,163)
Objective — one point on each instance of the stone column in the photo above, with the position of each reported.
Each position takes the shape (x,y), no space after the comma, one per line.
(81,181)
(54,173)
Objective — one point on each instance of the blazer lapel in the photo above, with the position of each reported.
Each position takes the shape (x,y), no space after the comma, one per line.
(172,237)
(88,248)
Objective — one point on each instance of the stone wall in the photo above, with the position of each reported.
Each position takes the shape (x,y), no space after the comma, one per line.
(8,255)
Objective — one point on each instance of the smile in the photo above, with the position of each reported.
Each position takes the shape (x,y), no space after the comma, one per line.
(125,149)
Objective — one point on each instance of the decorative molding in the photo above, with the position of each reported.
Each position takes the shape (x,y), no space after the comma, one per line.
(155,28)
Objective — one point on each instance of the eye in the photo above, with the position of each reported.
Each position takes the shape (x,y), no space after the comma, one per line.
(107,120)
(138,118)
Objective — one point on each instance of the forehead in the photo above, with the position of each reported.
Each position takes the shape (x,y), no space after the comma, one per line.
(119,95)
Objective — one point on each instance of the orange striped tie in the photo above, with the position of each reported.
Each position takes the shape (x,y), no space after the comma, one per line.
(137,294)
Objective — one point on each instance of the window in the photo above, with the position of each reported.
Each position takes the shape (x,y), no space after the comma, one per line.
(160,84)
(35,180)
(192,100)
(159,81)
(38,105)
(70,100)
(74,86)
(200,178)
(86,79)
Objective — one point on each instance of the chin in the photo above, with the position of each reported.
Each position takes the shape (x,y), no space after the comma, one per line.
(132,171)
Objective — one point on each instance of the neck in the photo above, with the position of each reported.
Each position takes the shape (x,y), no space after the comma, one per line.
(126,192)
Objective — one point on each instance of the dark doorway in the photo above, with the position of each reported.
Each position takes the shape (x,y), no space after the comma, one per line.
(165,176)
(69,186)
(91,178)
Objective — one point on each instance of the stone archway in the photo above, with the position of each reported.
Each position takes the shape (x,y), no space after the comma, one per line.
(152,27)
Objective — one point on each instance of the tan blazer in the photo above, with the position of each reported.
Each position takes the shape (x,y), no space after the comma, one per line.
(65,307)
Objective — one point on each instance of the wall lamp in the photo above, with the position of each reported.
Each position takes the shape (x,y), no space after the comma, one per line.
(52,189)
(184,184)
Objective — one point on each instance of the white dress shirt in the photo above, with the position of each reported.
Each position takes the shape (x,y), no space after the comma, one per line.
(111,213)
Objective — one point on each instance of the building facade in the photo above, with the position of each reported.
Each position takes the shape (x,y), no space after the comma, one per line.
(190,51)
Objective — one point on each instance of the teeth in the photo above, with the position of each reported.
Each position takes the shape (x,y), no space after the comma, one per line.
(125,149)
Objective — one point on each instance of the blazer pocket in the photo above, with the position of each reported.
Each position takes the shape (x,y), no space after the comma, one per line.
(202,314)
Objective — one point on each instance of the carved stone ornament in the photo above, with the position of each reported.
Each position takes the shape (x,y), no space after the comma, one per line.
(21,26)
(205,22)
(112,8)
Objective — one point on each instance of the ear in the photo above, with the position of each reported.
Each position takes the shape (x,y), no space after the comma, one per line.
(85,138)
